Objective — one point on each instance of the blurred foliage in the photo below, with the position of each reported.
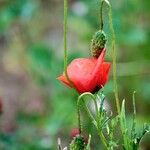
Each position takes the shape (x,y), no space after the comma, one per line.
(31,45)
(39,62)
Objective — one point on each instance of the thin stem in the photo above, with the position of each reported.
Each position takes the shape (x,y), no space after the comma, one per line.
(114,60)
(133,133)
(99,130)
(93,98)
(102,138)
(79,118)
(88,111)
(65,42)
(101,14)
(96,122)
(134,107)
(113,49)
(65,35)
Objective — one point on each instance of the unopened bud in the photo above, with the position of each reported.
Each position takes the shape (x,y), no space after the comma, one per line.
(98,43)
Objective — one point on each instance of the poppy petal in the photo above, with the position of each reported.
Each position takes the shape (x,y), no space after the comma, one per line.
(104,74)
(63,79)
(97,69)
(87,74)
(80,73)
(99,63)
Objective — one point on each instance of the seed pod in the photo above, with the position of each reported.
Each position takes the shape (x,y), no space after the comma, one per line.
(78,143)
(98,43)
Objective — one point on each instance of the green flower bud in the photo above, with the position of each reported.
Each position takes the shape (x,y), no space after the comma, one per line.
(98,43)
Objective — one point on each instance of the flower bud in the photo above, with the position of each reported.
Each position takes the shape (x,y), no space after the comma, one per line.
(98,43)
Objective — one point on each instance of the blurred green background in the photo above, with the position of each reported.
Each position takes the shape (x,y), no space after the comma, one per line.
(36,108)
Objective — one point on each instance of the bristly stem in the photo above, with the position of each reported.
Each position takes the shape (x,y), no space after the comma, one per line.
(133,132)
(65,35)
(101,14)
(113,49)
(79,118)
(134,107)
(88,111)
(114,59)
(95,121)
(65,41)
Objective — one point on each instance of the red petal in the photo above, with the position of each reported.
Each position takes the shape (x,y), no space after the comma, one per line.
(86,74)
(97,69)
(80,73)
(99,63)
(104,74)
(63,79)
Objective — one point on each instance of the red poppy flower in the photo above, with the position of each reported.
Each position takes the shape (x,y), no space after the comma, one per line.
(87,74)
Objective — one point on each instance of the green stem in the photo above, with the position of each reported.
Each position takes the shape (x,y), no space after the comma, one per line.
(101,14)
(134,107)
(114,58)
(113,49)
(103,139)
(65,42)
(133,133)
(65,35)
(79,118)
(88,111)
(96,122)
(101,136)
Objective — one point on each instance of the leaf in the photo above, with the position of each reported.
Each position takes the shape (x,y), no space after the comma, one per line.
(107,2)
(133,130)
(113,144)
(124,129)
(102,98)
(146,129)
(89,142)
(113,123)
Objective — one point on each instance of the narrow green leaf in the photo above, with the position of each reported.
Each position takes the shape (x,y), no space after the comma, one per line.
(133,130)
(89,142)
(124,129)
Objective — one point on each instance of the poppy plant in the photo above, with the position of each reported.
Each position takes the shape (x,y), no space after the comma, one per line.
(87,74)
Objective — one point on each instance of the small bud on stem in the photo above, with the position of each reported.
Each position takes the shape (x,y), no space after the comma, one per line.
(98,43)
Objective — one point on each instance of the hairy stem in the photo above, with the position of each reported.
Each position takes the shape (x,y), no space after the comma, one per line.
(79,118)
(65,42)
(114,57)
(65,36)
(96,122)
(88,111)
(101,14)
(133,133)
(103,139)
